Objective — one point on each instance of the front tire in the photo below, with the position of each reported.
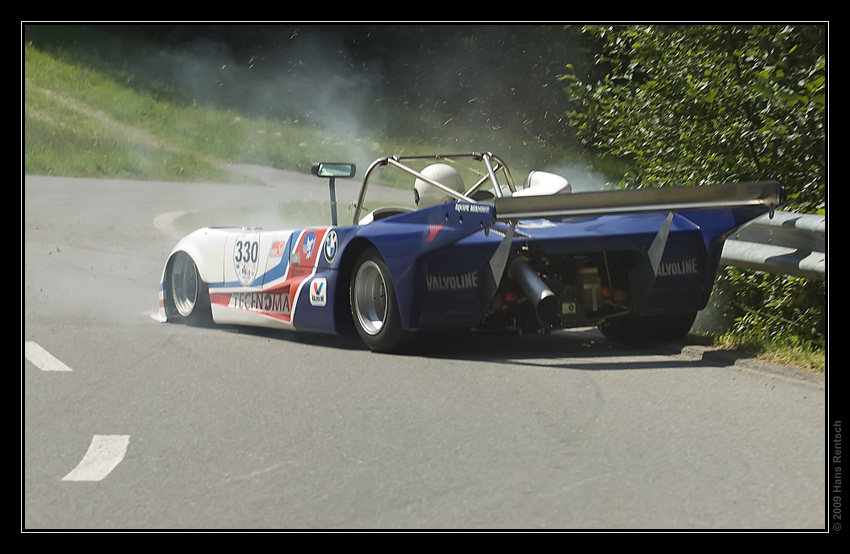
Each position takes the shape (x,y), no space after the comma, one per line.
(634,330)
(189,295)
(374,307)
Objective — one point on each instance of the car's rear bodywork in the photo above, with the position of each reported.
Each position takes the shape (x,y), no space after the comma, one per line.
(491,255)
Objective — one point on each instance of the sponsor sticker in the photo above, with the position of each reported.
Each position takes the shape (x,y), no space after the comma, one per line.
(261,302)
(678,268)
(471,208)
(432,232)
(331,245)
(318,291)
(451,283)
(309,243)
(246,257)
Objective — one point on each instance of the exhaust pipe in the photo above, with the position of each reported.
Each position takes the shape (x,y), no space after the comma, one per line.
(541,296)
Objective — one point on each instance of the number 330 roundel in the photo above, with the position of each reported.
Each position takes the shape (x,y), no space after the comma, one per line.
(246,257)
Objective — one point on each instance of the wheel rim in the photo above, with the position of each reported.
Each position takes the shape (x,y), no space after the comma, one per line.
(184,285)
(370,298)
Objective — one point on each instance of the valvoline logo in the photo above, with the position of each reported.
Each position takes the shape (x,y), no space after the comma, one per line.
(319,291)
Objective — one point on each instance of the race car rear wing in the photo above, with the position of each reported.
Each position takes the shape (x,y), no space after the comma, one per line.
(764,193)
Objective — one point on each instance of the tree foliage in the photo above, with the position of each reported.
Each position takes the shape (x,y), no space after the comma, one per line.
(691,104)
(694,104)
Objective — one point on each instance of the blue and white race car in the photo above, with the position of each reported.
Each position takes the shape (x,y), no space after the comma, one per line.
(471,251)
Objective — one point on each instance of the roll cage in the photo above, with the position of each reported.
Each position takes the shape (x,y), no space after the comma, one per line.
(768,193)
(492,166)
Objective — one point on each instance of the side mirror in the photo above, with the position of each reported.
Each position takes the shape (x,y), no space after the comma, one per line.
(331,171)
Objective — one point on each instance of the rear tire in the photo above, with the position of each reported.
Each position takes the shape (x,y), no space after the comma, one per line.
(189,295)
(374,307)
(635,330)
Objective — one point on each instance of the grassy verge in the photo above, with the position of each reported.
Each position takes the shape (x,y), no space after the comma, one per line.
(79,123)
(803,358)
(83,122)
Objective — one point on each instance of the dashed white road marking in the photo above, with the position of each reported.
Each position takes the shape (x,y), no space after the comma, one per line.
(104,453)
(42,359)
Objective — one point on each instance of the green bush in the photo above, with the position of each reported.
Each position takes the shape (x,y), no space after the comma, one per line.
(697,104)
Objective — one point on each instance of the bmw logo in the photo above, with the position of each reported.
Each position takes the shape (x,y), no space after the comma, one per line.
(330,246)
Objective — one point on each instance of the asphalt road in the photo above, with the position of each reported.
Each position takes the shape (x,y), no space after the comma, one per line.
(128,423)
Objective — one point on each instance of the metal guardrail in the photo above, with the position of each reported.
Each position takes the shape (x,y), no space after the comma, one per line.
(788,243)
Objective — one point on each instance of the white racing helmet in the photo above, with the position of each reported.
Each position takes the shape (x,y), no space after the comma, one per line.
(427,195)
